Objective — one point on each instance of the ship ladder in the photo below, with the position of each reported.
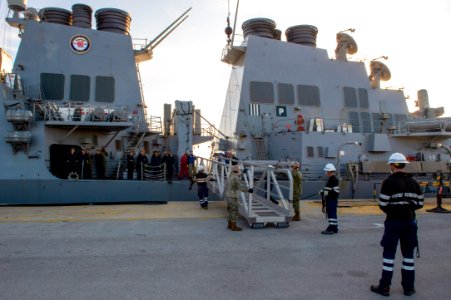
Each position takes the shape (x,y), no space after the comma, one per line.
(260,148)
(259,210)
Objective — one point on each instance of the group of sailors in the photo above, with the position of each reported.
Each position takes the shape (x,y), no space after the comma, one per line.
(156,168)
(80,163)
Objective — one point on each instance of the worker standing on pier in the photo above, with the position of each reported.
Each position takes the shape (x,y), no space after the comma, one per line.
(330,193)
(400,196)
(297,190)
(231,193)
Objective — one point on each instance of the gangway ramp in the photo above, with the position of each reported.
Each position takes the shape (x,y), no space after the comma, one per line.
(263,212)
(256,208)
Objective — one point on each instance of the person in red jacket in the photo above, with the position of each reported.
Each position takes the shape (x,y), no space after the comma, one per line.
(184,166)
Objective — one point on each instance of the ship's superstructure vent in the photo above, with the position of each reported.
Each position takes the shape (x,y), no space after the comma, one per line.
(81,16)
(113,20)
(302,34)
(56,15)
(261,27)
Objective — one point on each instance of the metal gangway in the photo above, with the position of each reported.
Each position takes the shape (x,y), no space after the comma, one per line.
(269,203)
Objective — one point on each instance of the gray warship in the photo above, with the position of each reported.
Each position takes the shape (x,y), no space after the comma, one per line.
(73,86)
(289,100)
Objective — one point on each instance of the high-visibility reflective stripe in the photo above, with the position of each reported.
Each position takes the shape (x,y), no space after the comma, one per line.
(385,268)
(383,203)
(408,268)
(408,260)
(389,261)
(385,197)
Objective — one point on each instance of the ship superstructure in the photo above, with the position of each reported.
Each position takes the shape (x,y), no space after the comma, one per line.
(289,100)
(74,86)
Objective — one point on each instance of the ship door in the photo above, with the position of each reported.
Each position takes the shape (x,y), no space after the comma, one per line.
(58,159)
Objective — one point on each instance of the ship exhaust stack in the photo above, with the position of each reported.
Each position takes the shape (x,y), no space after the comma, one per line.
(262,27)
(302,34)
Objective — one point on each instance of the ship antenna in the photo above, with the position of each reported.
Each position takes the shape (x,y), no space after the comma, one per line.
(229,31)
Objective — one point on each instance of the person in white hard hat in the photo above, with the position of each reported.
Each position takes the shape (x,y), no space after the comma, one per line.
(330,193)
(400,196)
(201,179)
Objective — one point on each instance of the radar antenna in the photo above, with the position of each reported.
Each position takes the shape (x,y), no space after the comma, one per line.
(379,71)
(345,45)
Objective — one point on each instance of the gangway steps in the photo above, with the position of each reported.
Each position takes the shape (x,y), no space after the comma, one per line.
(264,212)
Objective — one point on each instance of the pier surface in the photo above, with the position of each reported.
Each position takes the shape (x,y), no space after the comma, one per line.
(179,251)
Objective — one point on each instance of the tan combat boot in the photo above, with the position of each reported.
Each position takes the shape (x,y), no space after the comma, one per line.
(296,217)
(229,225)
(235,228)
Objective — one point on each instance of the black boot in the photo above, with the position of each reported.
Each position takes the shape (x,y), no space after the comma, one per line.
(409,292)
(378,289)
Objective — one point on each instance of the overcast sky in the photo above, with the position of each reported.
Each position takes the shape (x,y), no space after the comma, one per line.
(414,34)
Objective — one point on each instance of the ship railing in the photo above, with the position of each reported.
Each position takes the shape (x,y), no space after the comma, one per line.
(76,111)
(154,124)
(264,176)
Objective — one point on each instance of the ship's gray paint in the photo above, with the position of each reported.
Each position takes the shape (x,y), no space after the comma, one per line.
(260,59)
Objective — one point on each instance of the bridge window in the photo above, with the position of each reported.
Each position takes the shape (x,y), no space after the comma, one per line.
(52,86)
(376,122)
(308,95)
(79,88)
(286,93)
(363,98)
(261,92)
(350,97)
(366,121)
(354,121)
(104,89)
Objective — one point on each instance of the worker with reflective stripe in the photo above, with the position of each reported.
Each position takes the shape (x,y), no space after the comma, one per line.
(201,179)
(331,192)
(400,196)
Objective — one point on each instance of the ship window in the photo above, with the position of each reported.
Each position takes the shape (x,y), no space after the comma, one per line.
(350,97)
(354,121)
(52,86)
(254,109)
(320,152)
(104,89)
(310,151)
(363,98)
(262,92)
(308,95)
(285,93)
(376,122)
(366,121)
(79,88)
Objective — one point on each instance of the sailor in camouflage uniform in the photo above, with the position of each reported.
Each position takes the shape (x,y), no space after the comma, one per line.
(297,190)
(231,193)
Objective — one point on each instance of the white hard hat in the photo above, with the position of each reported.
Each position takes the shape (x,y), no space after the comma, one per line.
(329,168)
(397,158)
(201,167)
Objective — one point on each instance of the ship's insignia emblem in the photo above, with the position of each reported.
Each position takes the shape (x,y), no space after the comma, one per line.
(80,44)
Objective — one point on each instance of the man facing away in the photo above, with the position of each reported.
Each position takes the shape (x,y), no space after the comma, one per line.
(400,196)
(330,193)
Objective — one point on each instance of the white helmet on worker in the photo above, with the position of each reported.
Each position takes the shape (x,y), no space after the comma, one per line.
(329,168)
(397,158)
(201,168)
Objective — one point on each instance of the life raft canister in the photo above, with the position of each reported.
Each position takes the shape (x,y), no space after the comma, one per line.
(300,123)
